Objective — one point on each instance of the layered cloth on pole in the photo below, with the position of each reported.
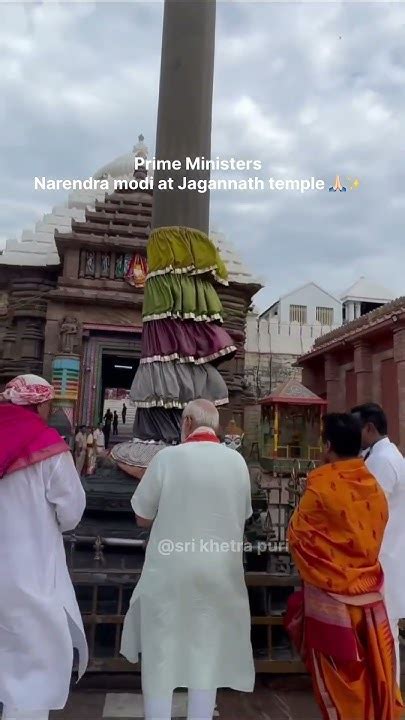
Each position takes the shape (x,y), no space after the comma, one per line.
(182,340)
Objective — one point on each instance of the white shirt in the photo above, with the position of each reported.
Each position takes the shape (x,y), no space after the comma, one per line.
(40,621)
(387,465)
(99,438)
(189,614)
(80,443)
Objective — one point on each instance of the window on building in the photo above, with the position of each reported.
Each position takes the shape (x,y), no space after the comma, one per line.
(324,315)
(298,313)
(367,307)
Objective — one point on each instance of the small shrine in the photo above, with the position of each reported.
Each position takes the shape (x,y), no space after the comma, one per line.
(291,420)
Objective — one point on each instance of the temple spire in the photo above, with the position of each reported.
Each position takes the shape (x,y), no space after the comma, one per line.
(140,148)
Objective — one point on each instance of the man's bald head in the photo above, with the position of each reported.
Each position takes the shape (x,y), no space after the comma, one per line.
(199,413)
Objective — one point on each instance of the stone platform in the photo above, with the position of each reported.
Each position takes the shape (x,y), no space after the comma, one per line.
(270,701)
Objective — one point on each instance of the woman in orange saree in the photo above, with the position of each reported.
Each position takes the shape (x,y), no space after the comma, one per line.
(338,621)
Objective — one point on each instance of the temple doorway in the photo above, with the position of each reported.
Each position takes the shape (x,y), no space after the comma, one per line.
(110,361)
(117,374)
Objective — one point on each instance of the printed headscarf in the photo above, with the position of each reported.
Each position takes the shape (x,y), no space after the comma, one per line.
(28,390)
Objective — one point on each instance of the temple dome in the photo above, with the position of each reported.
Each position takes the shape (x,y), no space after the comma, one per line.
(120,167)
(123,166)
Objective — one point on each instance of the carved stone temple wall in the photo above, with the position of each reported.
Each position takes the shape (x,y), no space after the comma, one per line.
(56,321)
(23,320)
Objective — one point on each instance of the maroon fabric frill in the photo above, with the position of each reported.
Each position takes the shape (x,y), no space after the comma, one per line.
(185,341)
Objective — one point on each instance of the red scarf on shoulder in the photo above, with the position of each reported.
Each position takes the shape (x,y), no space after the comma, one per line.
(202,434)
(25,439)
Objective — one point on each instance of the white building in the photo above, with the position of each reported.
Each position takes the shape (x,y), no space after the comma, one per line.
(287,329)
(362,297)
(308,305)
(291,324)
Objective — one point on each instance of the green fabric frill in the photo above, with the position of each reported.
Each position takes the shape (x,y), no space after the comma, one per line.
(183,250)
(180,296)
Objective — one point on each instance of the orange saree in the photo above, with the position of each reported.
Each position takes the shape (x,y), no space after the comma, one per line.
(338,622)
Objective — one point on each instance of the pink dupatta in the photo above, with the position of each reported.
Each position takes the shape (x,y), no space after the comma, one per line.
(25,439)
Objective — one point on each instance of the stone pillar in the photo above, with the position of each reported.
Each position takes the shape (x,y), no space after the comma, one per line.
(185,110)
(399,358)
(335,394)
(363,369)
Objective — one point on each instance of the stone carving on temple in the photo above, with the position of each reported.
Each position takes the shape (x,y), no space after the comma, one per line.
(9,340)
(127,263)
(119,266)
(69,335)
(90,267)
(31,346)
(105,265)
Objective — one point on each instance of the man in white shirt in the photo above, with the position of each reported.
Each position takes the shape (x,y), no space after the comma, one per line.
(387,464)
(41,497)
(189,614)
(80,449)
(99,439)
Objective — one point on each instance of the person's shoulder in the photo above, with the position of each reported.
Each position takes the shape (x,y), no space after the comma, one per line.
(388,452)
(319,474)
(217,447)
(61,460)
(397,461)
(323,480)
(232,454)
(232,458)
(395,452)
(209,449)
(166,454)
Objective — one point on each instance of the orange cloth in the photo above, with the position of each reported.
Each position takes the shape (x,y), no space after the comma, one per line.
(335,537)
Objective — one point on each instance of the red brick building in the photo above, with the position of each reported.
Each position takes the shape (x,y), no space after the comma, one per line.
(363,361)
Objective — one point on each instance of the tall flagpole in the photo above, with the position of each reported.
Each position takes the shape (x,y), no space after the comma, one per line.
(182,312)
(185,110)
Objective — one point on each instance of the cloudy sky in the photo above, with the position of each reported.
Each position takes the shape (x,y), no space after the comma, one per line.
(309,89)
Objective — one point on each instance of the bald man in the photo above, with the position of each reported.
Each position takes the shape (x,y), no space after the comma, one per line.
(189,614)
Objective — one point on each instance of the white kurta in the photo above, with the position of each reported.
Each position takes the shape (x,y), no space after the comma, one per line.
(387,465)
(40,621)
(189,614)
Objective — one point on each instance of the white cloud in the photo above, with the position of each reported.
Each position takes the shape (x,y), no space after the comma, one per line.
(309,89)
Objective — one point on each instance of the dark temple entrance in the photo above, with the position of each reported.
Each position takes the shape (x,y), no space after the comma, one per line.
(117,374)
(118,371)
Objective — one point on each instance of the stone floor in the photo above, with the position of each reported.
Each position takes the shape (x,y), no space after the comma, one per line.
(270,701)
